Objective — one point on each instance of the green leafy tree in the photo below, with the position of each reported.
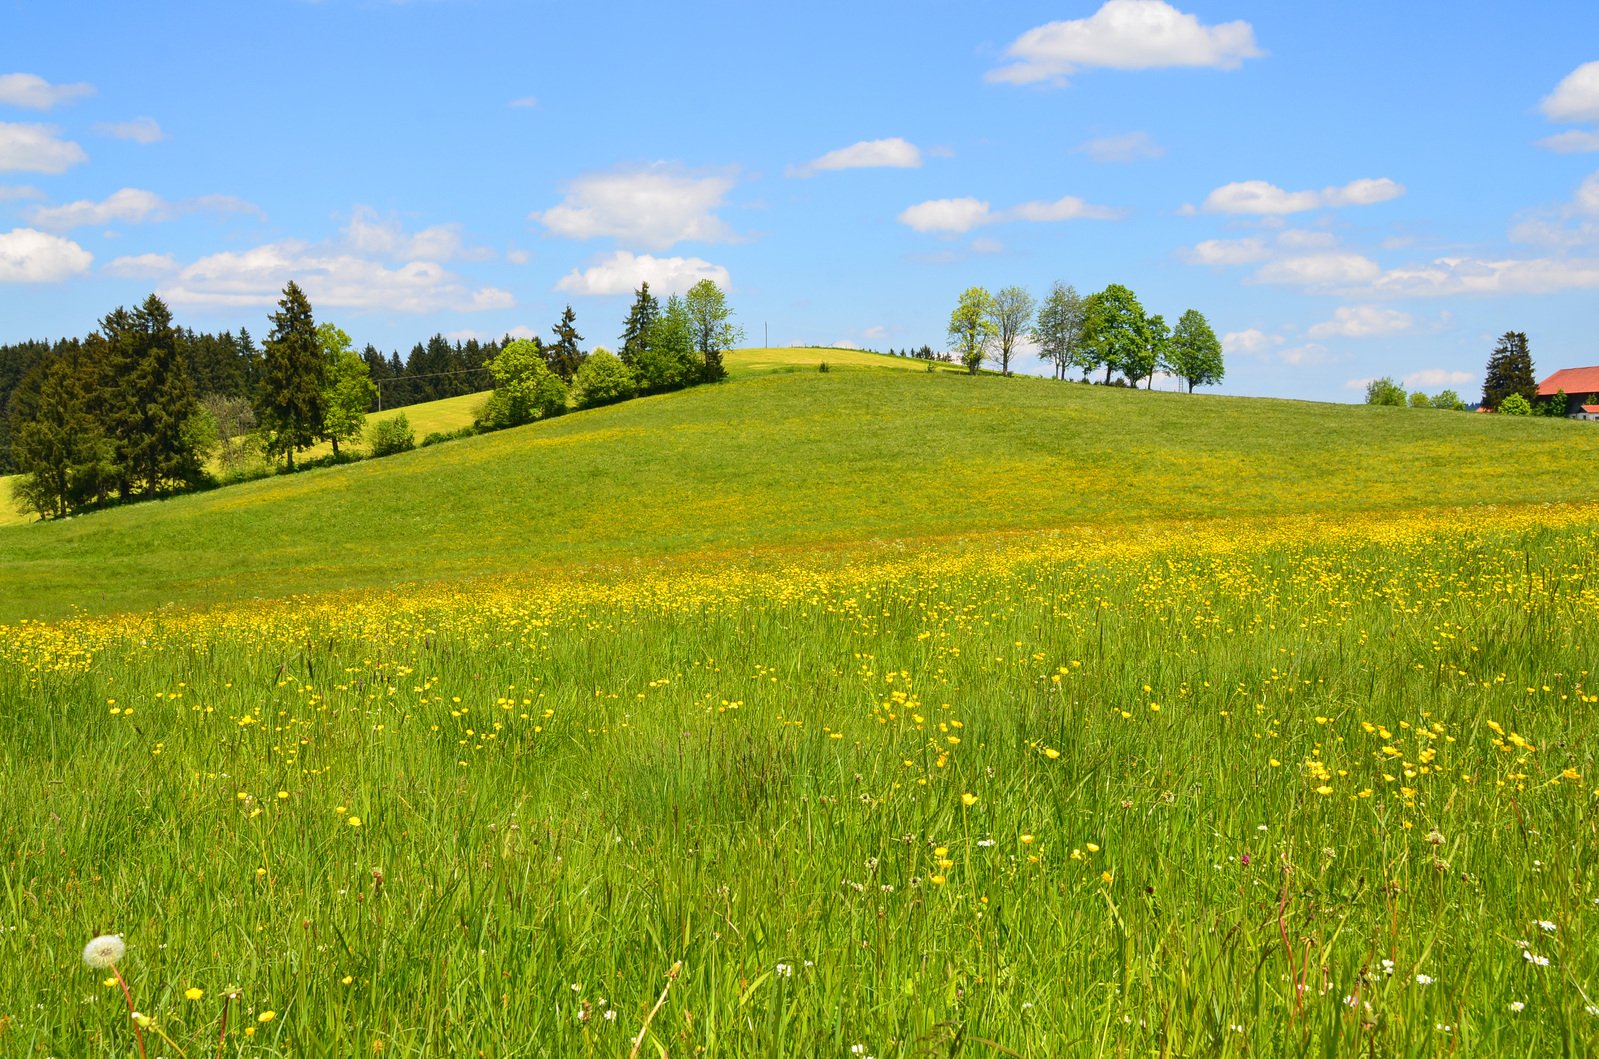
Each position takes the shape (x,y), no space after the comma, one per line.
(289,404)
(1058,328)
(1155,352)
(348,391)
(1420,400)
(971,327)
(1386,392)
(1113,335)
(1515,405)
(234,422)
(1509,371)
(391,435)
(603,379)
(1553,406)
(1010,311)
(1449,400)
(525,387)
(1194,354)
(714,334)
(564,356)
(668,360)
(640,319)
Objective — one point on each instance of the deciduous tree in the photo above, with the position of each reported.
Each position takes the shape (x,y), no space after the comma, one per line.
(1195,354)
(349,390)
(1011,313)
(1058,329)
(1113,335)
(714,334)
(971,327)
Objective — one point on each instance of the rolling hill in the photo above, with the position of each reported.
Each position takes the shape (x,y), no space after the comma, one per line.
(779,459)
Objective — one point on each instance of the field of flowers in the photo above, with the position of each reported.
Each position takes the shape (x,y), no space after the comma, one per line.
(1275,787)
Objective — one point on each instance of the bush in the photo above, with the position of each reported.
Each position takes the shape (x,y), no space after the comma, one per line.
(823,368)
(388,436)
(1450,401)
(1385,391)
(1515,405)
(439,436)
(603,379)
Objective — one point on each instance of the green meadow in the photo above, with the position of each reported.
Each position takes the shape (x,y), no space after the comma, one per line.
(859,713)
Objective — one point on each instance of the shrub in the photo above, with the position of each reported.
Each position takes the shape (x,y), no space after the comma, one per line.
(1449,400)
(1515,405)
(823,368)
(1385,391)
(388,436)
(603,379)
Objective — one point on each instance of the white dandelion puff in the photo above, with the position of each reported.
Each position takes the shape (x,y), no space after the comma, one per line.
(104,951)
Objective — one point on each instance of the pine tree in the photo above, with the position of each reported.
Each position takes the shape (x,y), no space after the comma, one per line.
(289,403)
(149,400)
(1509,371)
(565,356)
(635,332)
(59,447)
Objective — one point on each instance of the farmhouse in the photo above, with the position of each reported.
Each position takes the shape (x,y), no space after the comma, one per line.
(1580,386)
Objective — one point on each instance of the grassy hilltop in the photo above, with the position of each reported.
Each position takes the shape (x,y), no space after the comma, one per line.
(779,460)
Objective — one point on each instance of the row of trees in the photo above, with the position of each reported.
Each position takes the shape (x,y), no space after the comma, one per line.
(1108,330)
(1385,391)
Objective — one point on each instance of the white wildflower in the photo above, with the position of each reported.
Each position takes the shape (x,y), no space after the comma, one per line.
(784,970)
(1534,959)
(104,951)
(1546,926)
(1424,979)
(1518,1006)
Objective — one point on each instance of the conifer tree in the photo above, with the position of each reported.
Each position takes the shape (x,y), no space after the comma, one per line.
(149,400)
(1509,371)
(565,356)
(289,404)
(60,448)
(640,318)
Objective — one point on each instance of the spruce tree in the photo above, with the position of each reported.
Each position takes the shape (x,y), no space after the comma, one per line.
(635,332)
(565,356)
(1509,371)
(289,403)
(149,400)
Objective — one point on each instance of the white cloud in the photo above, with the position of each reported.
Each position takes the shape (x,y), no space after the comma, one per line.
(1574,224)
(1306,239)
(946,215)
(467,333)
(1127,147)
(1309,353)
(1433,378)
(19,191)
(368,233)
(1576,97)
(35,93)
(1253,340)
(657,207)
(1319,270)
(36,149)
(1362,321)
(1125,35)
(139,130)
(523,102)
(964,214)
(30,256)
(331,278)
(892,153)
(621,273)
(1464,275)
(1572,141)
(875,332)
(1262,198)
(1228,252)
(985,245)
(132,206)
(518,256)
(129,205)
(139,266)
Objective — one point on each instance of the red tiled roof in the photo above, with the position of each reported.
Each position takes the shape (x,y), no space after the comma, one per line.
(1591,409)
(1577,382)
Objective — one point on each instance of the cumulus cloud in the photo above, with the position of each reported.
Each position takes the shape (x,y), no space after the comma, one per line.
(1228,252)
(1469,275)
(1254,340)
(1572,141)
(330,277)
(964,214)
(1309,353)
(1336,269)
(657,207)
(19,191)
(35,93)
(1127,147)
(1434,378)
(1576,97)
(31,256)
(131,206)
(1265,199)
(139,130)
(622,272)
(1362,321)
(892,153)
(141,266)
(36,149)
(1125,35)
(369,233)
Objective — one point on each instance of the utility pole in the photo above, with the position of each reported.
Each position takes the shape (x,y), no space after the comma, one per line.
(766,332)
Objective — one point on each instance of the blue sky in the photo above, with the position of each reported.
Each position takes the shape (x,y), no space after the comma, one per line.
(1346,190)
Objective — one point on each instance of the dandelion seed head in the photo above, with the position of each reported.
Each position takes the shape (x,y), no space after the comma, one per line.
(104,951)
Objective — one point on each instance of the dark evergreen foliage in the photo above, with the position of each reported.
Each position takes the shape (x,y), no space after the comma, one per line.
(565,355)
(1509,371)
(289,401)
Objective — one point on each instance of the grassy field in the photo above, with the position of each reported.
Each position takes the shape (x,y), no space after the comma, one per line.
(784,461)
(1303,786)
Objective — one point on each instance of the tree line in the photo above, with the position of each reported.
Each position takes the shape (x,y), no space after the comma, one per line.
(1509,386)
(1108,331)
(141,408)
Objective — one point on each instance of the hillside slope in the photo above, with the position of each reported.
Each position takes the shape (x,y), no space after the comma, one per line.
(783,460)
